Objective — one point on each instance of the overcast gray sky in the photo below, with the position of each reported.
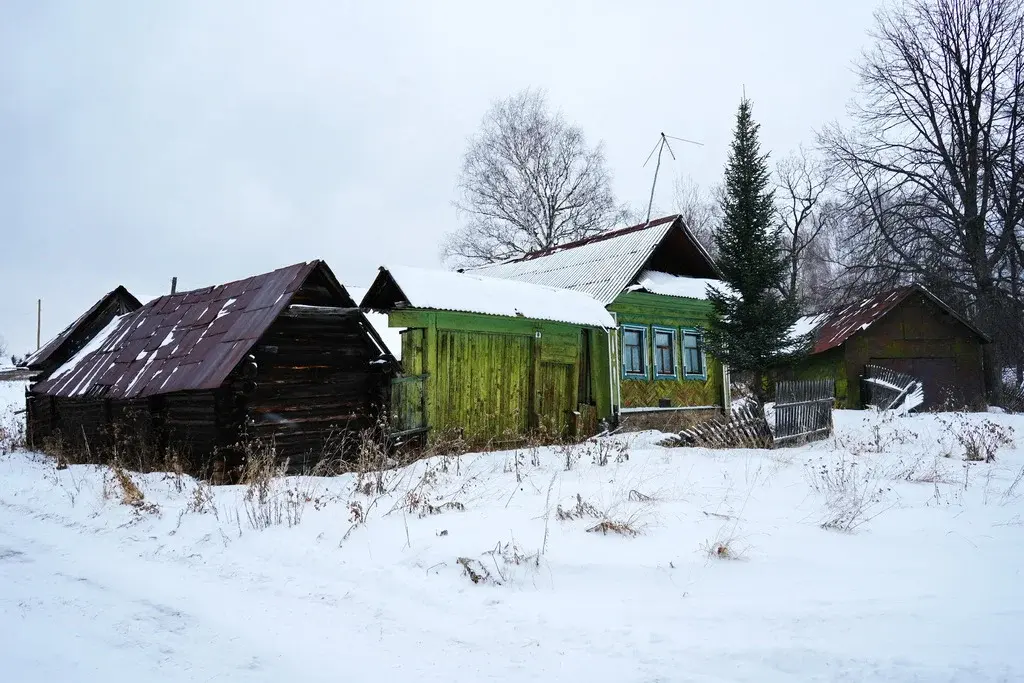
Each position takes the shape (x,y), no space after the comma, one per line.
(215,140)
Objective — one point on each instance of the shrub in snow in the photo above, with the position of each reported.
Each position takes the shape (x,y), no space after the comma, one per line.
(981,440)
(506,563)
(723,547)
(853,492)
(610,526)
(202,500)
(579,511)
(118,484)
(12,437)
(416,503)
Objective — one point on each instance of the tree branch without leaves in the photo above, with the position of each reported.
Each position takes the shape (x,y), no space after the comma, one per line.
(529,181)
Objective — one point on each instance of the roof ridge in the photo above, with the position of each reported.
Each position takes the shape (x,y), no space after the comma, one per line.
(592,239)
(210,288)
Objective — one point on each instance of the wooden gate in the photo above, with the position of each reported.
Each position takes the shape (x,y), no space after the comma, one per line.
(408,405)
(803,409)
(886,389)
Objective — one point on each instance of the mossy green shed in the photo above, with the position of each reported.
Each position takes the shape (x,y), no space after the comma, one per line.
(908,330)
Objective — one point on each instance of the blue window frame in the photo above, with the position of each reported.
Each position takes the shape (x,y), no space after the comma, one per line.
(634,351)
(694,362)
(664,353)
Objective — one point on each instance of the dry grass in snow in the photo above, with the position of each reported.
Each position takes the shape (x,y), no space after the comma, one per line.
(870,556)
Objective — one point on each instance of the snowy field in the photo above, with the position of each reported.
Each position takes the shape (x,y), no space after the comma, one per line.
(729,576)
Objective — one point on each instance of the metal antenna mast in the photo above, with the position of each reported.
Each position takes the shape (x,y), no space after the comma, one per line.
(660,147)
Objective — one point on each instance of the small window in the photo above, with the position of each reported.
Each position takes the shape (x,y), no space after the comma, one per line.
(634,351)
(664,353)
(693,354)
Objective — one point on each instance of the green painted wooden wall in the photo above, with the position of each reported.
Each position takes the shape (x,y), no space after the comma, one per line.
(495,379)
(643,308)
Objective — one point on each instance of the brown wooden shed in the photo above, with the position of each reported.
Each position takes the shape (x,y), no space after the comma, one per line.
(284,356)
(907,330)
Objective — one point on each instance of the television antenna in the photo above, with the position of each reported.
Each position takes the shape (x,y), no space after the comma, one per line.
(659,148)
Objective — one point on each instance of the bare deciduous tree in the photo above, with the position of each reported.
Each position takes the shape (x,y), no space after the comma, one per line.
(529,181)
(938,114)
(804,213)
(701,209)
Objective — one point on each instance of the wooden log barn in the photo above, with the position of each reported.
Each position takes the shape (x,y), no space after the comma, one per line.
(284,356)
(907,330)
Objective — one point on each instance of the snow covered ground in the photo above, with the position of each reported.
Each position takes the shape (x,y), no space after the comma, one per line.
(729,578)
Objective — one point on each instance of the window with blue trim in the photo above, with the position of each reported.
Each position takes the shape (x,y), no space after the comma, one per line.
(694,365)
(664,352)
(634,351)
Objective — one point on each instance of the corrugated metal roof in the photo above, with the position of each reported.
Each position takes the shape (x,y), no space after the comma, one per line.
(833,329)
(601,266)
(51,347)
(180,342)
(443,290)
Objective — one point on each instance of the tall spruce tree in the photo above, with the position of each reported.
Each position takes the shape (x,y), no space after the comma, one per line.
(750,320)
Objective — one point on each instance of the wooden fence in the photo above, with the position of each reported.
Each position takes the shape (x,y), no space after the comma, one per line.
(887,389)
(742,427)
(1013,398)
(803,409)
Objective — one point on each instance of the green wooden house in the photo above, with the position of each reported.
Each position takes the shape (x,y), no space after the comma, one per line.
(652,277)
(607,328)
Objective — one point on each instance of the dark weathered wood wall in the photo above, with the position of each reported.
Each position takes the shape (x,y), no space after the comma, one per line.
(315,383)
(919,338)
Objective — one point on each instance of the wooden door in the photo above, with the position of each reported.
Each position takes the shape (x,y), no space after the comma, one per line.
(555,387)
(483,383)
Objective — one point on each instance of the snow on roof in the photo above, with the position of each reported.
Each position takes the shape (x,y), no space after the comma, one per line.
(182,342)
(52,346)
(391,336)
(601,266)
(656,282)
(472,293)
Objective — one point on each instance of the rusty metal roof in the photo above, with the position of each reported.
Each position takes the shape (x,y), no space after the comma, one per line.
(180,342)
(833,329)
(51,347)
(601,266)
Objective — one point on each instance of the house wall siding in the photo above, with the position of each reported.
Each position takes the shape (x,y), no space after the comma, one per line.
(654,310)
(493,379)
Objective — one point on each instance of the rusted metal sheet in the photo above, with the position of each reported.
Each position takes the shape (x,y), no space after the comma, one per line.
(835,328)
(187,341)
(61,347)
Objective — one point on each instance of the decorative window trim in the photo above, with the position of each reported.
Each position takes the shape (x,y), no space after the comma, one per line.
(645,343)
(672,345)
(699,333)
